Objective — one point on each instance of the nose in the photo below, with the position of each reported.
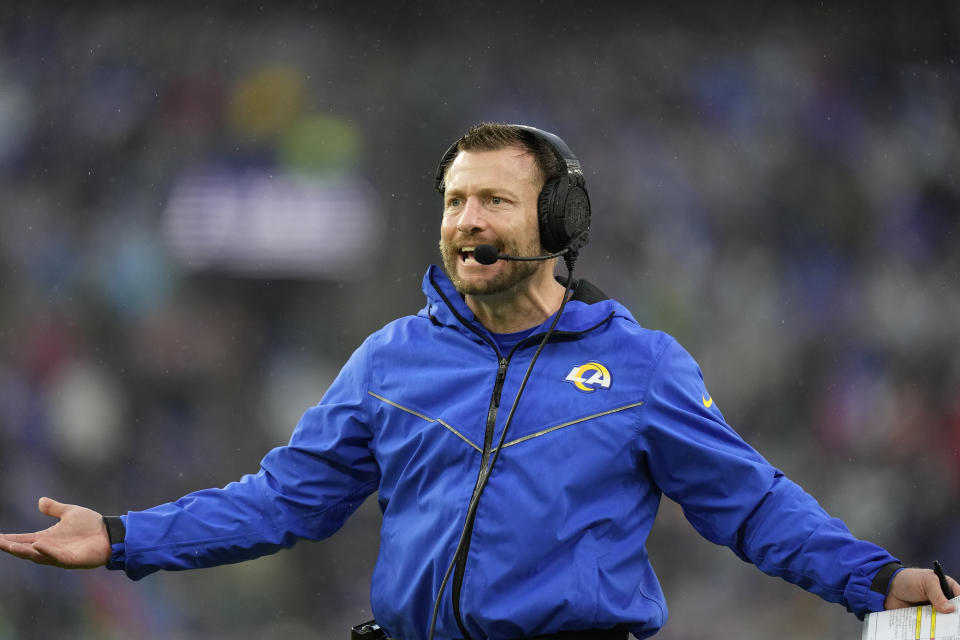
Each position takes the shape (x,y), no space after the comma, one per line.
(471,219)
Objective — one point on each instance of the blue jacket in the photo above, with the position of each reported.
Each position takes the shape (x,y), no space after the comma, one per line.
(613,416)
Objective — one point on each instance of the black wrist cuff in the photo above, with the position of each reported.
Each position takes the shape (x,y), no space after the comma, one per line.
(881,581)
(116,531)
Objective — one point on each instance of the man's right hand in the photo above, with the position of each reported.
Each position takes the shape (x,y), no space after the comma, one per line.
(78,541)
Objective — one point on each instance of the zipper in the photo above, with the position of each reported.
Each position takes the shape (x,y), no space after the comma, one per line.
(503,363)
(489,432)
(494,406)
(461,565)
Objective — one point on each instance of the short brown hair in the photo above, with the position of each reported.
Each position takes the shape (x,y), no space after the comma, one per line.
(492,136)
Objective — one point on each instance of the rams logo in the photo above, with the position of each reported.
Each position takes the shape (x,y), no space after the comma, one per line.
(589,377)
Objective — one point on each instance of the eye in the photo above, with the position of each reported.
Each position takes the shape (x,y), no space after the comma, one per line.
(454,201)
(496,200)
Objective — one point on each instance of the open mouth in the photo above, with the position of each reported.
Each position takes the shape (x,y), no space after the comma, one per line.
(466,256)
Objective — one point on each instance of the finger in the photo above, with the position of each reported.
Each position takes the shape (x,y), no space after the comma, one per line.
(48,554)
(945,607)
(28,538)
(954,585)
(937,597)
(942,605)
(51,507)
(25,551)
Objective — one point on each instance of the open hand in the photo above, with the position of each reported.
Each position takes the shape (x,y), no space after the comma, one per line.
(78,541)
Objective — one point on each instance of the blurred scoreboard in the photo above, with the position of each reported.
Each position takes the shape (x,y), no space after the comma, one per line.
(263,224)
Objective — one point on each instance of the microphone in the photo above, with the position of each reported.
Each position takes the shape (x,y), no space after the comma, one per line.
(488,254)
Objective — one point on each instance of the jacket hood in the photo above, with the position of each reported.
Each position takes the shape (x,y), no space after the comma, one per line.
(588,308)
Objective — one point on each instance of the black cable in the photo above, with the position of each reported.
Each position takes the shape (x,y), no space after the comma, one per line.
(485,475)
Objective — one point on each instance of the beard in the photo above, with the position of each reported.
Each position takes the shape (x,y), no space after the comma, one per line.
(509,277)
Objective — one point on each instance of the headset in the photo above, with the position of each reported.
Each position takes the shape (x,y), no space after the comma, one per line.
(563,206)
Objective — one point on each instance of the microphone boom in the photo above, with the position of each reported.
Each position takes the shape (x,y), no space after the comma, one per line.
(488,254)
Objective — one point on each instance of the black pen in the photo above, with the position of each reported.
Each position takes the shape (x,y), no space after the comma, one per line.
(937,569)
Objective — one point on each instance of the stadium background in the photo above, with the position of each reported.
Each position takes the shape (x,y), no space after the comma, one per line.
(775,186)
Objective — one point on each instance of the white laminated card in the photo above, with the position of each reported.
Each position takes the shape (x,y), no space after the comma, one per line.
(913,623)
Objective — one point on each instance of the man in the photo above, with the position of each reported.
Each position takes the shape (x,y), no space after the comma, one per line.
(519,433)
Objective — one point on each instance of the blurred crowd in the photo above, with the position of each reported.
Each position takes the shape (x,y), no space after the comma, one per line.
(778,188)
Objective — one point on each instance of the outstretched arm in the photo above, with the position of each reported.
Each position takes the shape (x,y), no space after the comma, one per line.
(912,586)
(78,541)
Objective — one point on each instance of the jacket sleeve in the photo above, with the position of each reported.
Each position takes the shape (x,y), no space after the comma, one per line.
(734,497)
(305,489)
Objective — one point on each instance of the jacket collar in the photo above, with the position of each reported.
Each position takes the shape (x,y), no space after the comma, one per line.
(587,309)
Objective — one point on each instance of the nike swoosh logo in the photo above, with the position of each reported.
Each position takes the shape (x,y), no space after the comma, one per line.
(707,402)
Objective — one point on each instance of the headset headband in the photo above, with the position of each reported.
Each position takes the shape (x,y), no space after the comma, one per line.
(559,148)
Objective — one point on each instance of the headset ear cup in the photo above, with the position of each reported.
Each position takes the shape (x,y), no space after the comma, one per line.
(563,209)
(576,217)
(551,234)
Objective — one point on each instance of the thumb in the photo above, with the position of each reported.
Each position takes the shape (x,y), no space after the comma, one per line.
(938,598)
(946,607)
(940,602)
(51,507)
